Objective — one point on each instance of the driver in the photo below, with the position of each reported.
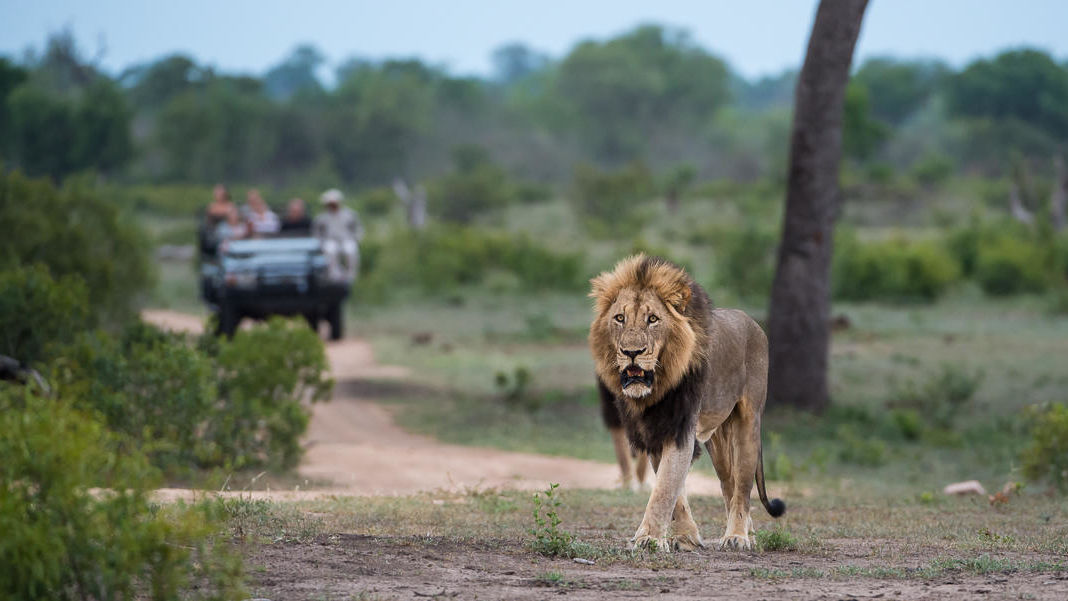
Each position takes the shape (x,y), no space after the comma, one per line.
(341,231)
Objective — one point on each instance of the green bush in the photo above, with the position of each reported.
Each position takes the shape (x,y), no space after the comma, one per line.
(38,313)
(1009,265)
(746,261)
(62,540)
(441,258)
(235,403)
(151,386)
(1047,455)
(609,202)
(376,202)
(940,398)
(266,374)
(860,450)
(891,270)
(476,187)
(74,231)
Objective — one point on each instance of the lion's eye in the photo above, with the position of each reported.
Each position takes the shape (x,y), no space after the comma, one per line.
(653,319)
(619,317)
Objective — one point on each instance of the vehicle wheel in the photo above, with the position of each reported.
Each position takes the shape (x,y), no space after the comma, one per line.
(228,320)
(313,321)
(337,327)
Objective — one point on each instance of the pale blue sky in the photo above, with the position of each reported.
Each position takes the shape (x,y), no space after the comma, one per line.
(757,37)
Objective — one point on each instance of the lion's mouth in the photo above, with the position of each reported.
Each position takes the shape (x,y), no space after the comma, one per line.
(632,374)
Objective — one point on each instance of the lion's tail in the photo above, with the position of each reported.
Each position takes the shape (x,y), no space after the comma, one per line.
(775,507)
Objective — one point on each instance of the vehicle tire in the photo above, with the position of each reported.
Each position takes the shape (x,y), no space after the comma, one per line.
(334,316)
(313,321)
(228,320)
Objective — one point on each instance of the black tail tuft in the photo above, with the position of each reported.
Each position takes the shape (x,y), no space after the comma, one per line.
(776,508)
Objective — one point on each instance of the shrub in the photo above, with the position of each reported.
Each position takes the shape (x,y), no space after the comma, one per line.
(1009,265)
(1047,455)
(234,403)
(940,398)
(746,261)
(63,541)
(266,375)
(476,187)
(38,313)
(859,450)
(376,202)
(933,169)
(444,257)
(73,231)
(894,269)
(608,201)
(151,386)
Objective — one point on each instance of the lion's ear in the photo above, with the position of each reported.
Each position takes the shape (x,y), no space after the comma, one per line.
(601,291)
(678,295)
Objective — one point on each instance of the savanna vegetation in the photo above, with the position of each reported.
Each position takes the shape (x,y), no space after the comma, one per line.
(949,281)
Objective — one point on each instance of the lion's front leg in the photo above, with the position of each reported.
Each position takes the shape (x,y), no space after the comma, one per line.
(671,471)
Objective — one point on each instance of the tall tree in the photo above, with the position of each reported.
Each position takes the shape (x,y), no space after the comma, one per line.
(801,293)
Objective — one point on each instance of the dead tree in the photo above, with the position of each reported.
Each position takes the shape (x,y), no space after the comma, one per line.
(414,201)
(798,321)
(1059,197)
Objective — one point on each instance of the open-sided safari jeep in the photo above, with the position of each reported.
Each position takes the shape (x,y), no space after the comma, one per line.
(261,277)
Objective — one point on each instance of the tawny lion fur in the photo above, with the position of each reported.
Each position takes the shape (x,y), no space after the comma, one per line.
(682,373)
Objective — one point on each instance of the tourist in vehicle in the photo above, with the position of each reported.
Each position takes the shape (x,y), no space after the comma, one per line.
(233,228)
(296,220)
(261,218)
(220,205)
(341,231)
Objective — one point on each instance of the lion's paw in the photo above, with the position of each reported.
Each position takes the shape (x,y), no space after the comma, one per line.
(687,542)
(652,543)
(735,542)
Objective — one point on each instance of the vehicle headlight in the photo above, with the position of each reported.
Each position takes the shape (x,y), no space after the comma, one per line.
(241,279)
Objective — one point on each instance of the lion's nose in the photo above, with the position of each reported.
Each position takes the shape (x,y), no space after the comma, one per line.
(632,354)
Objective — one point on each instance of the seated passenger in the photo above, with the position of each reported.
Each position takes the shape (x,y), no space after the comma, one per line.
(234,228)
(296,220)
(261,218)
(220,205)
(341,231)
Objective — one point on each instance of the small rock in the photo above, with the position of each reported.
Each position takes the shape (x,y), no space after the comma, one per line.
(585,562)
(970,487)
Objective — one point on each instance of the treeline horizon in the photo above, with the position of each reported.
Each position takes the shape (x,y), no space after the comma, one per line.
(650,96)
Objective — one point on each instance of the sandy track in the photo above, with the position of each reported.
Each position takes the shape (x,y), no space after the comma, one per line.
(355,444)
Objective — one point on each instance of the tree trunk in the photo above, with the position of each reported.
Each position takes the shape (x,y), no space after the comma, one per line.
(798,328)
(1059,198)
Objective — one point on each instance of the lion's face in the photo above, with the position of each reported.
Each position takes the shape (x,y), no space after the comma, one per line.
(638,323)
(639,336)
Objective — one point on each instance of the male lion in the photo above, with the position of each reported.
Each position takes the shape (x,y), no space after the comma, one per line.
(683,373)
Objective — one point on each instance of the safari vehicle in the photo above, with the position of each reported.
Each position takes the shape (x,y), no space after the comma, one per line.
(261,277)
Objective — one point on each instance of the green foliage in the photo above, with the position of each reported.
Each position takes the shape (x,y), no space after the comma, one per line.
(862,135)
(939,399)
(894,269)
(746,260)
(1009,265)
(151,386)
(621,92)
(1046,457)
(236,403)
(1024,85)
(63,540)
(476,187)
(514,390)
(860,450)
(443,257)
(549,539)
(609,202)
(896,88)
(933,169)
(376,202)
(266,376)
(777,539)
(73,231)
(38,313)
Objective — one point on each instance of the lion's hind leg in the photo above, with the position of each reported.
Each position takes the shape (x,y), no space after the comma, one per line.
(641,467)
(733,448)
(622,448)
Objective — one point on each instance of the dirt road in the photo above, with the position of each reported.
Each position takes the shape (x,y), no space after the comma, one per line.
(355,444)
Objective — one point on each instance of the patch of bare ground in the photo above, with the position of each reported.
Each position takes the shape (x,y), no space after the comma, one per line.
(366,567)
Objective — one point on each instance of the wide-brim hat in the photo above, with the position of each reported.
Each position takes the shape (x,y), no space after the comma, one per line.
(333,195)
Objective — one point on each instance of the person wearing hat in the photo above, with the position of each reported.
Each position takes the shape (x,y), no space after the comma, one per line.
(340,230)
